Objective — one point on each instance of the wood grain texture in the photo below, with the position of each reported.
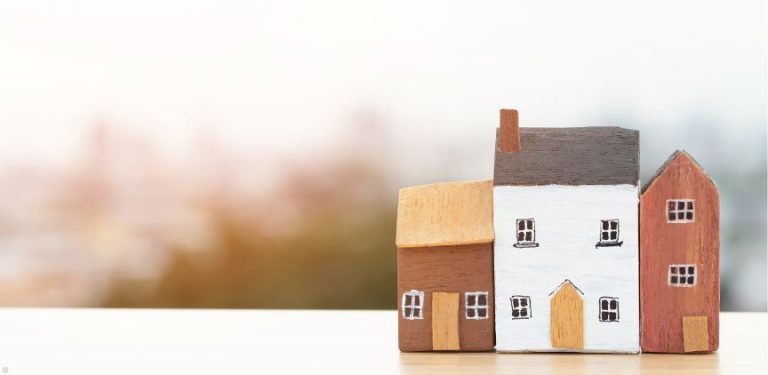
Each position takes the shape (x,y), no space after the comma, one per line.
(445,321)
(662,306)
(458,269)
(509,131)
(695,334)
(567,318)
(445,214)
(570,156)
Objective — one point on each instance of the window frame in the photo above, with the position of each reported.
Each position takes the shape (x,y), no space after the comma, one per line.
(520,308)
(677,274)
(608,310)
(476,307)
(689,206)
(532,230)
(609,242)
(413,306)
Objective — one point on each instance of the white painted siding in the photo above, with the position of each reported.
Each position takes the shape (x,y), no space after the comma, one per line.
(567,229)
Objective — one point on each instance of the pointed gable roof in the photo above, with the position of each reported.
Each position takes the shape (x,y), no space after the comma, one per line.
(445,214)
(683,156)
(566,282)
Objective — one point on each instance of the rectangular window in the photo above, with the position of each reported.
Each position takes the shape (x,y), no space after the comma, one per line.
(680,210)
(413,305)
(609,233)
(526,233)
(476,305)
(609,309)
(683,275)
(521,307)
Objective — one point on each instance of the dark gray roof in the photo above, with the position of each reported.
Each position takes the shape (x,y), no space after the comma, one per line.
(669,160)
(570,156)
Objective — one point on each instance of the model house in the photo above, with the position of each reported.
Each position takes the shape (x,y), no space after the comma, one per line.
(445,267)
(679,259)
(565,204)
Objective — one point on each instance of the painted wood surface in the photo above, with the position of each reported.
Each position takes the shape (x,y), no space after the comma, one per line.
(509,131)
(445,214)
(567,318)
(458,269)
(695,334)
(445,321)
(568,220)
(663,243)
(571,156)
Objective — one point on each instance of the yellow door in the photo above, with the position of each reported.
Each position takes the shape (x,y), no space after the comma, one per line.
(445,321)
(567,318)
(695,334)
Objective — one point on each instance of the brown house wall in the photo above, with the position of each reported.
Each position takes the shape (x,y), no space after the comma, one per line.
(662,244)
(459,269)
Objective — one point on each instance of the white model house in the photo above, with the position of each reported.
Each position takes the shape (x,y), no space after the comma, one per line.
(566,246)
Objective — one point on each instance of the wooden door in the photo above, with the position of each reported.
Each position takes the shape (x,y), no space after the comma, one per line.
(445,321)
(567,318)
(695,334)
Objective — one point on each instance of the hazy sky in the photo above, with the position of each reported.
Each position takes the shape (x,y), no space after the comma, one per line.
(281,74)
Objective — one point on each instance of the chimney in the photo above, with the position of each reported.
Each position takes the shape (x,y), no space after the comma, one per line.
(509,134)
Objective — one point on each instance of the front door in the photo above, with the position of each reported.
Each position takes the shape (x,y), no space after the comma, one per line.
(566,324)
(445,321)
(695,334)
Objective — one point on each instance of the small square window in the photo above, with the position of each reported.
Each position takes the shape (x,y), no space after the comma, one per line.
(526,233)
(412,304)
(680,210)
(609,233)
(682,275)
(521,307)
(476,305)
(609,309)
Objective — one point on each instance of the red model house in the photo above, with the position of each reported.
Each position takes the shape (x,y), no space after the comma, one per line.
(679,259)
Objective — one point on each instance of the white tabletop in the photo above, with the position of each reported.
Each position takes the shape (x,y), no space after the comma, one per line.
(140,341)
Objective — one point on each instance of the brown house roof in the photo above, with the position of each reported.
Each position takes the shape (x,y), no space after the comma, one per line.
(445,214)
(674,156)
(570,156)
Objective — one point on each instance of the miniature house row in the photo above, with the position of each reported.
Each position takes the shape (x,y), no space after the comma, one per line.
(553,255)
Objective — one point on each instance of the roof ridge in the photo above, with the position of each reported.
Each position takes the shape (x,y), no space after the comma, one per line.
(669,160)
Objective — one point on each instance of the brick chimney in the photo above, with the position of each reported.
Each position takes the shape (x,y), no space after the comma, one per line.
(509,132)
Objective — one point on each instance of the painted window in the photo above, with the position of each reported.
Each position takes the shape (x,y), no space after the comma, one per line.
(476,305)
(526,233)
(413,304)
(609,233)
(680,210)
(521,307)
(682,275)
(609,309)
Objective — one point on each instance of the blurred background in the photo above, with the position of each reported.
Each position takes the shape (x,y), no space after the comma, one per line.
(247,154)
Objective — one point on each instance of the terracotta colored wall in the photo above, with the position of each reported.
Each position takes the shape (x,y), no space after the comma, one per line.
(466,268)
(662,244)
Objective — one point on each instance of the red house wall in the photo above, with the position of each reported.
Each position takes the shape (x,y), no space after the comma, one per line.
(663,244)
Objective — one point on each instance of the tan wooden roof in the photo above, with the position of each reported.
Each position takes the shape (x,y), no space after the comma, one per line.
(451,213)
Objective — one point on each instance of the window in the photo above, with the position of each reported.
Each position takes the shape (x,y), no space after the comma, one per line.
(682,275)
(609,309)
(476,304)
(413,305)
(609,233)
(526,233)
(680,211)
(521,307)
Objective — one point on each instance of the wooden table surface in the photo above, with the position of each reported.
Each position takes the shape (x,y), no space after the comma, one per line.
(117,341)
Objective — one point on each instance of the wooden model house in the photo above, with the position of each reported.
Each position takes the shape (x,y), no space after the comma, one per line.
(679,259)
(445,267)
(566,248)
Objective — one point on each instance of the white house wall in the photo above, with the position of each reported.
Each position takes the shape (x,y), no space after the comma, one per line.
(567,228)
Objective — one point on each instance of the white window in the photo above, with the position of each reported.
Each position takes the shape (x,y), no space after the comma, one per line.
(526,233)
(609,309)
(413,304)
(683,275)
(521,307)
(609,233)
(680,210)
(476,305)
